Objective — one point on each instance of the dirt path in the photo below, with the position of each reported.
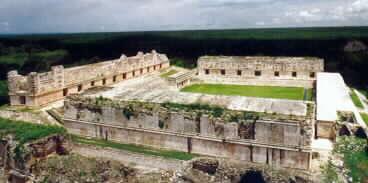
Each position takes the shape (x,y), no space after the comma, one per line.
(139,161)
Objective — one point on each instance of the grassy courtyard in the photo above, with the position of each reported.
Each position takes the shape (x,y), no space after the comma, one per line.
(356,100)
(169,73)
(294,93)
(365,117)
(26,132)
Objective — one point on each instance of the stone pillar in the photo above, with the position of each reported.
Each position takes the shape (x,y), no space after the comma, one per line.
(207,128)
(176,123)
(231,131)
(58,75)
(33,83)
(13,78)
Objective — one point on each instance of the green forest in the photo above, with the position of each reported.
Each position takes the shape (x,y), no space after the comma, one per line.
(38,52)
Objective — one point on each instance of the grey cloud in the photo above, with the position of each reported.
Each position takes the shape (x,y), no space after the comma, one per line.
(29,16)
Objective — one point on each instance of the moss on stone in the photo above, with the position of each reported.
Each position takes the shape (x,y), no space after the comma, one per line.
(195,110)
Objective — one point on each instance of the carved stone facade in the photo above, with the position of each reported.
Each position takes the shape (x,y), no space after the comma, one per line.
(274,71)
(276,142)
(36,89)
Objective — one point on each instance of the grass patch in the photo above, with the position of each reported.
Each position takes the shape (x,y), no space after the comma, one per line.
(169,73)
(26,132)
(170,154)
(365,117)
(294,93)
(308,94)
(356,100)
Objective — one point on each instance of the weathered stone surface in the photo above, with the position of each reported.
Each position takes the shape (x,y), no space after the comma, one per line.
(18,163)
(279,71)
(37,89)
(206,165)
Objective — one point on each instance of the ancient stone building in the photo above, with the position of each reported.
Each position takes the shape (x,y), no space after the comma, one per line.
(151,109)
(273,139)
(273,71)
(36,89)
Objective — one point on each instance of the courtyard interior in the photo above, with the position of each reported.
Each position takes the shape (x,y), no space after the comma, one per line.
(155,88)
(292,93)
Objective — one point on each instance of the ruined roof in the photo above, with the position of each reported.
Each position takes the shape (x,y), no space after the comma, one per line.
(332,96)
(259,58)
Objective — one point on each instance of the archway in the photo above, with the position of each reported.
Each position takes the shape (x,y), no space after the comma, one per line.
(252,176)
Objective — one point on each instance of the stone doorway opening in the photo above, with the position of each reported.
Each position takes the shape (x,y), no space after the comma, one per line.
(22,100)
(252,176)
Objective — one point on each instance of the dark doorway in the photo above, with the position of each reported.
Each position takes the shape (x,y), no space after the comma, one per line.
(344,131)
(189,142)
(360,133)
(252,177)
(65,92)
(80,87)
(22,100)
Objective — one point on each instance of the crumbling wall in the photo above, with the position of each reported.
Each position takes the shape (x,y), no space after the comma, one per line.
(278,133)
(17,163)
(284,133)
(198,145)
(257,140)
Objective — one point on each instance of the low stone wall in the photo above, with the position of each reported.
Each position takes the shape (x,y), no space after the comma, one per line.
(22,116)
(236,150)
(277,143)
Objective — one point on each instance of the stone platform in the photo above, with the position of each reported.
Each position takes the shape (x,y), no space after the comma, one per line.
(153,88)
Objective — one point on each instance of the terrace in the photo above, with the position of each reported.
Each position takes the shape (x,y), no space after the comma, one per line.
(155,89)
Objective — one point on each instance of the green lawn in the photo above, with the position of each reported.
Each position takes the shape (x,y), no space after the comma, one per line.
(293,93)
(136,148)
(169,73)
(26,132)
(365,117)
(356,99)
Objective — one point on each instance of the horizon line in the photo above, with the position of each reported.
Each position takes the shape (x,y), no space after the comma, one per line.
(181,30)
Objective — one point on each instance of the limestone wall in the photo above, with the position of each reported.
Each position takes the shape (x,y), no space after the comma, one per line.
(273,156)
(138,64)
(192,132)
(37,89)
(274,71)
(284,133)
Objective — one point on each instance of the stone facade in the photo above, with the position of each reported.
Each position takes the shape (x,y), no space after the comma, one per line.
(181,79)
(276,142)
(36,89)
(273,71)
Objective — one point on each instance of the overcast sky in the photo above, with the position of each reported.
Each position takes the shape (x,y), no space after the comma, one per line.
(39,16)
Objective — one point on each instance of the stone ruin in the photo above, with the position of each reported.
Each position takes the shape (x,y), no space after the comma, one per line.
(37,89)
(279,141)
(248,129)
(270,71)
